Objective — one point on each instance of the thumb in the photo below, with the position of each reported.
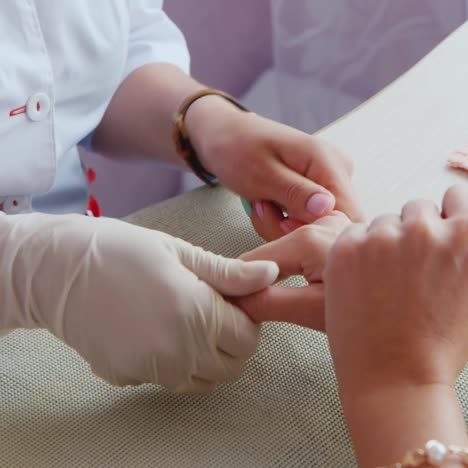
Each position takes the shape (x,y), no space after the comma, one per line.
(230,277)
(303,199)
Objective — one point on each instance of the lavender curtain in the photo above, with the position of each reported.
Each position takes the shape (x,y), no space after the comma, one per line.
(330,55)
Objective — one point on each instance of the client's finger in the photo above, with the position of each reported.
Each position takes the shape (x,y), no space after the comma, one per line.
(417,209)
(384,222)
(304,251)
(301,306)
(455,201)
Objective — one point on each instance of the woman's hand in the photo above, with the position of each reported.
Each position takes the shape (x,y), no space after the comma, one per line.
(397,320)
(397,296)
(272,166)
(303,252)
(139,305)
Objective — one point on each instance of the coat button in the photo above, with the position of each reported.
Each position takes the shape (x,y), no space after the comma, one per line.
(16,205)
(38,107)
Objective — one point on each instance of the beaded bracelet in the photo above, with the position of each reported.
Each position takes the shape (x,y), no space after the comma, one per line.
(434,453)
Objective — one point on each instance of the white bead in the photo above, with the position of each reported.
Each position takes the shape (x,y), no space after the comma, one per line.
(436,451)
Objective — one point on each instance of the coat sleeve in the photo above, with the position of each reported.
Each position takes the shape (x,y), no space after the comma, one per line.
(154,38)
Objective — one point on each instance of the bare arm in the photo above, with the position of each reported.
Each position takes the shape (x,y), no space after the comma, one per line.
(138,121)
(397,324)
(386,423)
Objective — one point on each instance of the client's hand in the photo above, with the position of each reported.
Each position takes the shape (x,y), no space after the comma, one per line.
(303,252)
(397,320)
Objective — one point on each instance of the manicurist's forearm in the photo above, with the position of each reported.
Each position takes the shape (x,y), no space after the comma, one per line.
(139,120)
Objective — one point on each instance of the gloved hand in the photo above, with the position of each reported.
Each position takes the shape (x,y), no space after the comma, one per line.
(139,305)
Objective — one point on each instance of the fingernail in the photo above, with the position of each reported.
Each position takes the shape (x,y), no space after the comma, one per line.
(320,203)
(285,228)
(247,207)
(259,210)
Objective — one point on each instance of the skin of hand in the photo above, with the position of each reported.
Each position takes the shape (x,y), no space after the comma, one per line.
(272,166)
(268,163)
(302,252)
(138,305)
(397,321)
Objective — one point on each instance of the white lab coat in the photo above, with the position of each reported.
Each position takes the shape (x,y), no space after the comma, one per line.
(61,62)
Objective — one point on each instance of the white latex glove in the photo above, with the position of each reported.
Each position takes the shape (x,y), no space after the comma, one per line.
(139,305)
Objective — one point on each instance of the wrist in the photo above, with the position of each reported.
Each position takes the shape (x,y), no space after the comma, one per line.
(386,422)
(206,121)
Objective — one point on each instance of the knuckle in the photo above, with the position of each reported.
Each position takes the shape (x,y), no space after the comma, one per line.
(419,229)
(319,236)
(294,193)
(381,244)
(381,241)
(382,234)
(341,221)
(315,241)
(306,235)
(455,190)
(422,240)
(460,224)
(344,250)
(380,220)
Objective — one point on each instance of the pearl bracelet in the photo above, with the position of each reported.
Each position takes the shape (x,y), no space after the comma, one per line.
(434,453)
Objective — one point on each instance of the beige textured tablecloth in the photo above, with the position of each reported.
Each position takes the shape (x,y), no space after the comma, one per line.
(285,411)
